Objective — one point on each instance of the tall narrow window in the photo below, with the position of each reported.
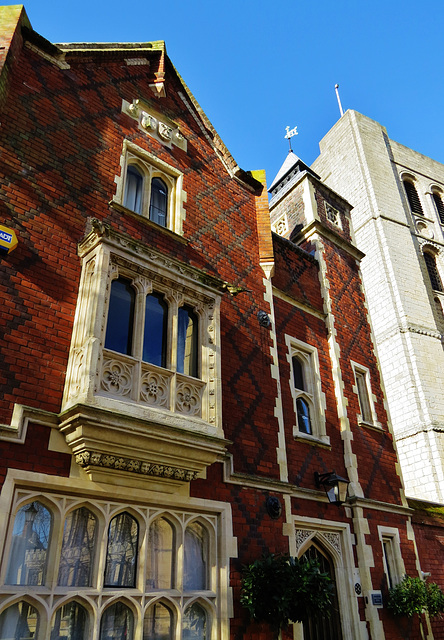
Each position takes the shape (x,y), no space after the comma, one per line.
(19,622)
(389,564)
(155,334)
(187,342)
(70,623)
(433,272)
(413,198)
(76,559)
(194,623)
(196,557)
(302,404)
(159,201)
(158,623)
(117,623)
(439,204)
(161,548)
(119,330)
(133,189)
(363,397)
(121,553)
(29,546)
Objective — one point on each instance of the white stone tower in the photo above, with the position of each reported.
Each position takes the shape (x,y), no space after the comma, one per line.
(398,222)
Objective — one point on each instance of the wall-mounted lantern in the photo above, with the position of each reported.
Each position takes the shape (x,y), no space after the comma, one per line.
(334,486)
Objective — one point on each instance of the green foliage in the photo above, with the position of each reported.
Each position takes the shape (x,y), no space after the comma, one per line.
(415,596)
(279,589)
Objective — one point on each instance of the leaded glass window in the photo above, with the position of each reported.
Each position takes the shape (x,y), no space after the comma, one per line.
(117,623)
(119,330)
(76,560)
(155,334)
(196,555)
(187,342)
(70,622)
(20,621)
(133,189)
(194,623)
(29,546)
(121,555)
(161,552)
(303,416)
(158,623)
(303,401)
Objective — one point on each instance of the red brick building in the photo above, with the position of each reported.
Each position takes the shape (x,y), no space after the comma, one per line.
(174,375)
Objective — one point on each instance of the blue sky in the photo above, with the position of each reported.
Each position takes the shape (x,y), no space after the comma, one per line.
(256,67)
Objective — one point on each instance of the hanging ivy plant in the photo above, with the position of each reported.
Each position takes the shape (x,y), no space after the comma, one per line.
(416,596)
(279,589)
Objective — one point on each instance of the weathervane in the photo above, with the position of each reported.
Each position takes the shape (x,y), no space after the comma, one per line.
(341,110)
(290,133)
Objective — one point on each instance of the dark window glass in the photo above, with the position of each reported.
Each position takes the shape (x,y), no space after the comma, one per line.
(76,558)
(413,198)
(432,269)
(158,623)
(119,330)
(194,623)
(133,189)
(117,623)
(303,413)
(439,205)
(121,553)
(19,622)
(364,400)
(70,623)
(155,336)
(298,374)
(187,342)
(159,202)
(29,545)
(195,557)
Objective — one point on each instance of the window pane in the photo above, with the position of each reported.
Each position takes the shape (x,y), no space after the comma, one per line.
(121,554)
(196,557)
(77,549)
(119,331)
(117,623)
(158,623)
(70,623)
(364,401)
(187,340)
(154,342)
(161,547)
(194,623)
(133,189)
(159,202)
(30,539)
(303,415)
(298,374)
(19,622)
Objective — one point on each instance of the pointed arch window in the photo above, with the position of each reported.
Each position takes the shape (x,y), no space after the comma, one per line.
(439,204)
(300,375)
(29,546)
(187,342)
(70,622)
(413,197)
(117,623)
(195,558)
(322,627)
(158,623)
(76,559)
(432,269)
(119,330)
(159,202)
(161,555)
(195,623)
(155,333)
(20,621)
(121,554)
(133,197)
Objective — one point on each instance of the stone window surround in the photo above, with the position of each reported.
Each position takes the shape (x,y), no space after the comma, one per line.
(397,567)
(152,167)
(62,496)
(356,367)
(314,396)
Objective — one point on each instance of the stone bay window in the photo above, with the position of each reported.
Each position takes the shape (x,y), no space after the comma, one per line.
(144,364)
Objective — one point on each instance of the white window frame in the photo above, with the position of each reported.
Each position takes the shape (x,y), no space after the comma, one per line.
(314,395)
(152,167)
(365,373)
(392,560)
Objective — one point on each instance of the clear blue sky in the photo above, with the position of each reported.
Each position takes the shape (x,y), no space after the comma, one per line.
(256,67)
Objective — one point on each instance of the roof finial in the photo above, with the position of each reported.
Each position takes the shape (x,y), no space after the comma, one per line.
(341,110)
(290,133)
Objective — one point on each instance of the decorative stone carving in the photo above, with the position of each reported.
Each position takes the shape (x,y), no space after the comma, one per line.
(153,123)
(116,377)
(301,536)
(334,540)
(281,226)
(165,131)
(132,465)
(332,214)
(155,389)
(189,398)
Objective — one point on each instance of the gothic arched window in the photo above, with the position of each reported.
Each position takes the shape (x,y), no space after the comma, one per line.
(121,553)
(70,622)
(413,197)
(161,555)
(133,189)
(433,272)
(158,623)
(194,623)
(196,557)
(117,623)
(20,621)
(76,559)
(301,373)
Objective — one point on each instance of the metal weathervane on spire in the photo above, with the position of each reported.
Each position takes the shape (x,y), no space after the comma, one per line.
(290,133)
